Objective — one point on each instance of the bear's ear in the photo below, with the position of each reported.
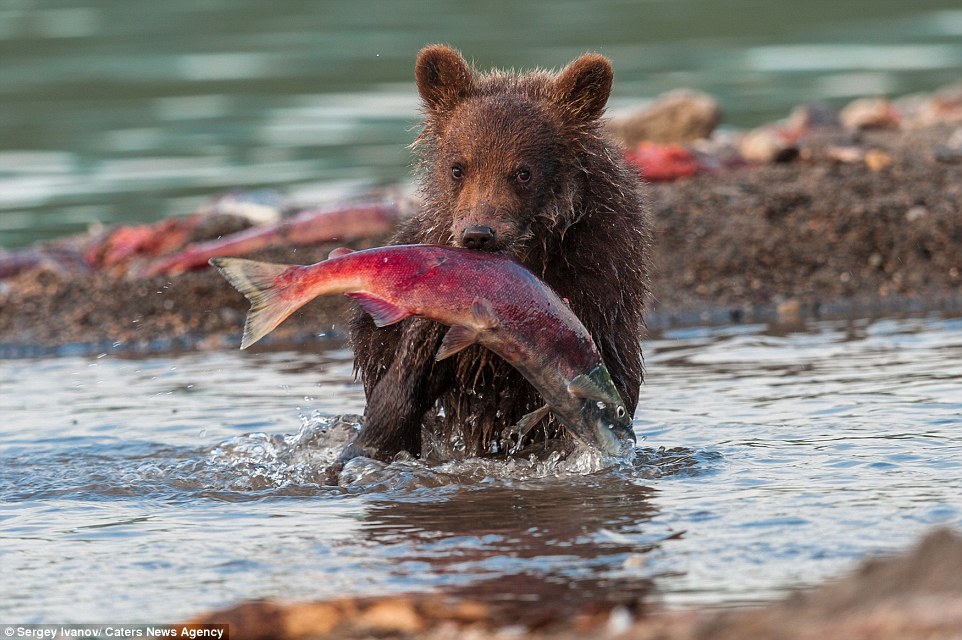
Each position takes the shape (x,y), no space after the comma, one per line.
(444,78)
(584,85)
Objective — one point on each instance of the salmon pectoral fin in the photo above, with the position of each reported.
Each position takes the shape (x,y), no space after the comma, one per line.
(271,302)
(382,311)
(527,422)
(530,420)
(458,338)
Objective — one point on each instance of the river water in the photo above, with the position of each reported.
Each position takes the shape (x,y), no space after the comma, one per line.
(114,111)
(151,489)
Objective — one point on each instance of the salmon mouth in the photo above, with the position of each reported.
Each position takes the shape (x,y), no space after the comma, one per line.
(614,439)
(611,437)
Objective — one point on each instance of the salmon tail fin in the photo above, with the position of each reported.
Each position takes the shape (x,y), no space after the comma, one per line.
(258,281)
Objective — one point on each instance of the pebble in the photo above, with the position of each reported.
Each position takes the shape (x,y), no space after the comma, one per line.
(766,144)
(876,159)
(916,213)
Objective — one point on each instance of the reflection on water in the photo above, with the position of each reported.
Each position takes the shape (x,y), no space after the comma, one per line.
(563,541)
(169,485)
(124,110)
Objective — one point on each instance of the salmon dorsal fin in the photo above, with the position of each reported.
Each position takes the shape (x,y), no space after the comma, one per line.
(382,311)
(458,338)
(582,386)
(340,251)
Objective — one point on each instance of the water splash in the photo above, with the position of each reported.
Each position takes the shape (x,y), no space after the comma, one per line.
(259,461)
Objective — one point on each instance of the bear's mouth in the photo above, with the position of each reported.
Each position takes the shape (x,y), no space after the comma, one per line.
(498,240)
(479,237)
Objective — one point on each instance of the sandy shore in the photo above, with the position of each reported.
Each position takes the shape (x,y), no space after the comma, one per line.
(830,232)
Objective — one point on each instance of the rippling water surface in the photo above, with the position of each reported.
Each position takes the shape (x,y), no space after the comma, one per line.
(151,489)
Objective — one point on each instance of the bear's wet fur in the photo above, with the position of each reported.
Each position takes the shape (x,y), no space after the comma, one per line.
(516,163)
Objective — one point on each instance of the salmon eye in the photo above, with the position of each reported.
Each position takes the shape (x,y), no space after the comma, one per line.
(522,175)
(457,171)
(620,411)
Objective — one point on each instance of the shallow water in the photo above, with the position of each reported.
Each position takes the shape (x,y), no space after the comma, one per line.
(148,490)
(113,111)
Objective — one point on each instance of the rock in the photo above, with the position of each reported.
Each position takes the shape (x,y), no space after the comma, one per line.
(806,117)
(870,113)
(789,312)
(394,616)
(681,116)
(768,144)
(944,107)
(874,159)
(845,154)
(915,595)
(951,151)
(877,159)
(916,213)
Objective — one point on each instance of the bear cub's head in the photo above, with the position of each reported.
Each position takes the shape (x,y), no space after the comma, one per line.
(505,153)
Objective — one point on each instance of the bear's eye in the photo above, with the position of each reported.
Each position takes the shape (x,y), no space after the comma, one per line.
(457,171)
(620,411)
(522,175)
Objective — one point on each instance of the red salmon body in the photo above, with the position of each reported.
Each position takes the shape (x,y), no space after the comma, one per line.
(485,298)
(443,283)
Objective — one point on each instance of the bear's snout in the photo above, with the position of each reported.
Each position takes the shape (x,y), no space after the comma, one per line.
(479,237)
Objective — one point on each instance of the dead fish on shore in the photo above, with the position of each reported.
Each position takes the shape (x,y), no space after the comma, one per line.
(312,226)
(484,298)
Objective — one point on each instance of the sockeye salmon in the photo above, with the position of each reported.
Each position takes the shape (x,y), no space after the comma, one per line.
(484,298)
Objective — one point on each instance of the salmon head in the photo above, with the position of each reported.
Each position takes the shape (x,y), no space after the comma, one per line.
(604,421)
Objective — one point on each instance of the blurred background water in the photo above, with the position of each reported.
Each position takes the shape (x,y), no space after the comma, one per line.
(133,110)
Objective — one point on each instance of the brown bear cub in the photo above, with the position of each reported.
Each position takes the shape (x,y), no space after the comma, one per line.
(517,164)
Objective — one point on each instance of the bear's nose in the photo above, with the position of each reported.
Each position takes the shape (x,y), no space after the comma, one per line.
(478,237)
